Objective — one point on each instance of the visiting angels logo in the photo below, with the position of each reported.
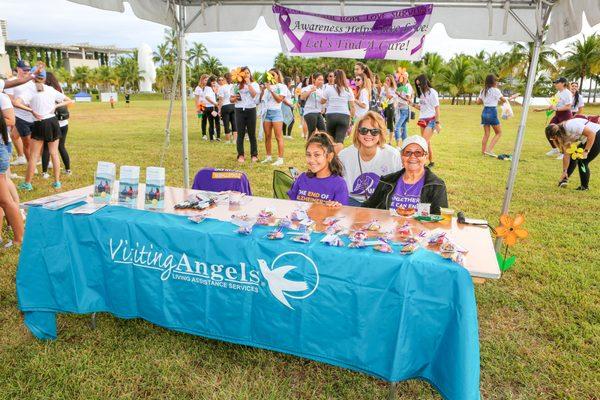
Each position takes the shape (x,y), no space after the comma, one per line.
(291,263)
(291,275)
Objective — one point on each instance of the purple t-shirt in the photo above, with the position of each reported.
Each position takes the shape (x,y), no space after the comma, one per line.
(407,195)
(319,190)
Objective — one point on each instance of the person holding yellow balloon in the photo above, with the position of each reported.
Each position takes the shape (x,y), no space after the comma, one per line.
(560,104)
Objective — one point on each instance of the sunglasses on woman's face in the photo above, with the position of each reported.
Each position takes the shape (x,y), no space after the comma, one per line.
(416,153)
(365,131)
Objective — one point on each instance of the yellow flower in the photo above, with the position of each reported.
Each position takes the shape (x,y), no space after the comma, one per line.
(575,152)
(510,229)
(270,78)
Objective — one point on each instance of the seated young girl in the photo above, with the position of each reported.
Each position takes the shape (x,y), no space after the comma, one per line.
(323,183)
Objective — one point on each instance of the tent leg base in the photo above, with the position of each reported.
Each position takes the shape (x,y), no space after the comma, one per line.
(392,391)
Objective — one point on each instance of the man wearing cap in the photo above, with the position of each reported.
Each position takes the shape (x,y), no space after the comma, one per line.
(562,108)
(21,95)
(413,184)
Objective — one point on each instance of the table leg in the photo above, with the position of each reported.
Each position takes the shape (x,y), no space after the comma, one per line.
(93,321)
(392,392)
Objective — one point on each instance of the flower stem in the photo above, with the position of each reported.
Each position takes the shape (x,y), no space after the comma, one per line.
(505,253)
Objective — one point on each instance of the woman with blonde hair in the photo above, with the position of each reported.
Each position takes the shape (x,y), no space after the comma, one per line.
(368,158)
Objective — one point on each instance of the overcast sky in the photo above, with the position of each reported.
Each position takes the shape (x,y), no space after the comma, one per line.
(51,21)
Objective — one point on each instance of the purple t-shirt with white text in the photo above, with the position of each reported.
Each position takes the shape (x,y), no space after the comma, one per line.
(319,190)
(407,195)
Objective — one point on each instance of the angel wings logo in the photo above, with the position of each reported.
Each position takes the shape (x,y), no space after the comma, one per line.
(292,275)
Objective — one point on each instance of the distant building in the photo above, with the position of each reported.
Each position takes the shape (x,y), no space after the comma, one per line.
(55,55)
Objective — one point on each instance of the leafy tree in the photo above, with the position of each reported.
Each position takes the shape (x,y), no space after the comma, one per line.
(81,76)
(197,53)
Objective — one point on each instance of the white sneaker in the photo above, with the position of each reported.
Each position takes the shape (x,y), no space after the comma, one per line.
(14,176)
(560,157)
(68,172)
(553,152)
(204,137)
(267,160)
(489,153)
(46,175)
(21,160)
(278,163)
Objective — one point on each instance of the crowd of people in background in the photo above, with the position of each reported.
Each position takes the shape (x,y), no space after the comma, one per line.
(34,127)
(375,112)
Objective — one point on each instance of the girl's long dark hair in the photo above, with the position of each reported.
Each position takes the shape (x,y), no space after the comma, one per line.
(576,97)
(324,140)
(423,85)
(3,129)
(490,81)
(340,81)
(52,81)
(366,70)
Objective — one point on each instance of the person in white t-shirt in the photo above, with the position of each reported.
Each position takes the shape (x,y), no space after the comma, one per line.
(578,103)
(368,158)
(312,95)
(404,91)
(227,109)
(200,102)
(24,119)
(340,108)
(490,96)
(585,134)
(363,97)
(562,109)
(429,111)
(388,98)
(211,113)
(42,106)
(273,94)
(245,96)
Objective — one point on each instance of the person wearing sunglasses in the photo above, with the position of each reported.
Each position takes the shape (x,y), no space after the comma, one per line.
(413,184)
(368,159)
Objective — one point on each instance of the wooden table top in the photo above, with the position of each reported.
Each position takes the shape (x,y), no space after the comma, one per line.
(480,260)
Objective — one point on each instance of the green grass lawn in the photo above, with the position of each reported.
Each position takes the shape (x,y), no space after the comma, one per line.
(539,324)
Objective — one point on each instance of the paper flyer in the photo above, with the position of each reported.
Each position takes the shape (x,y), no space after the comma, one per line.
(155,188)
(129,179)
(104,182)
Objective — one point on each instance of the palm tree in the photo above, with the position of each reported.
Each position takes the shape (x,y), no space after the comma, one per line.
(212,65)
(583,56)
(518,60)
(197,53)
(171,40)
(127,71)
(161,55)
(81,75)
(105,77)
(64,76)
(432,65)
(456,76)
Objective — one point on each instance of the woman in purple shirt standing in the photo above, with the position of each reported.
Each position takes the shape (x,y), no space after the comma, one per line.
(324,182)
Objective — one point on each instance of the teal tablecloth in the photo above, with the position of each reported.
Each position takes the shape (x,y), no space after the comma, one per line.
(392,316)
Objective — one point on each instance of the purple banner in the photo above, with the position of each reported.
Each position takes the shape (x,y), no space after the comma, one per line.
(395,35)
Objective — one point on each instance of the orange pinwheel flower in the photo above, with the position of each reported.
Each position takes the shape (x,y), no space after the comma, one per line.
(510,229)
(237,75)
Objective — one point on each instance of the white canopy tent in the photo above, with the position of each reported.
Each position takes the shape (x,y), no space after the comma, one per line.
(504,20)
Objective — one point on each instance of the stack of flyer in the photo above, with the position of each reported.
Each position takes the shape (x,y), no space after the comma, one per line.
(57,202)
(104,182)
(155,188)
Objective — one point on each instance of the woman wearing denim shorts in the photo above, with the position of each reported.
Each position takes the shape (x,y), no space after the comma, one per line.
(273,94)
(490,96)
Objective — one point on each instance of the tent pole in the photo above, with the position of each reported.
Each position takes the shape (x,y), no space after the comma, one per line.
(184,125)
(170,112)
(510,184)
